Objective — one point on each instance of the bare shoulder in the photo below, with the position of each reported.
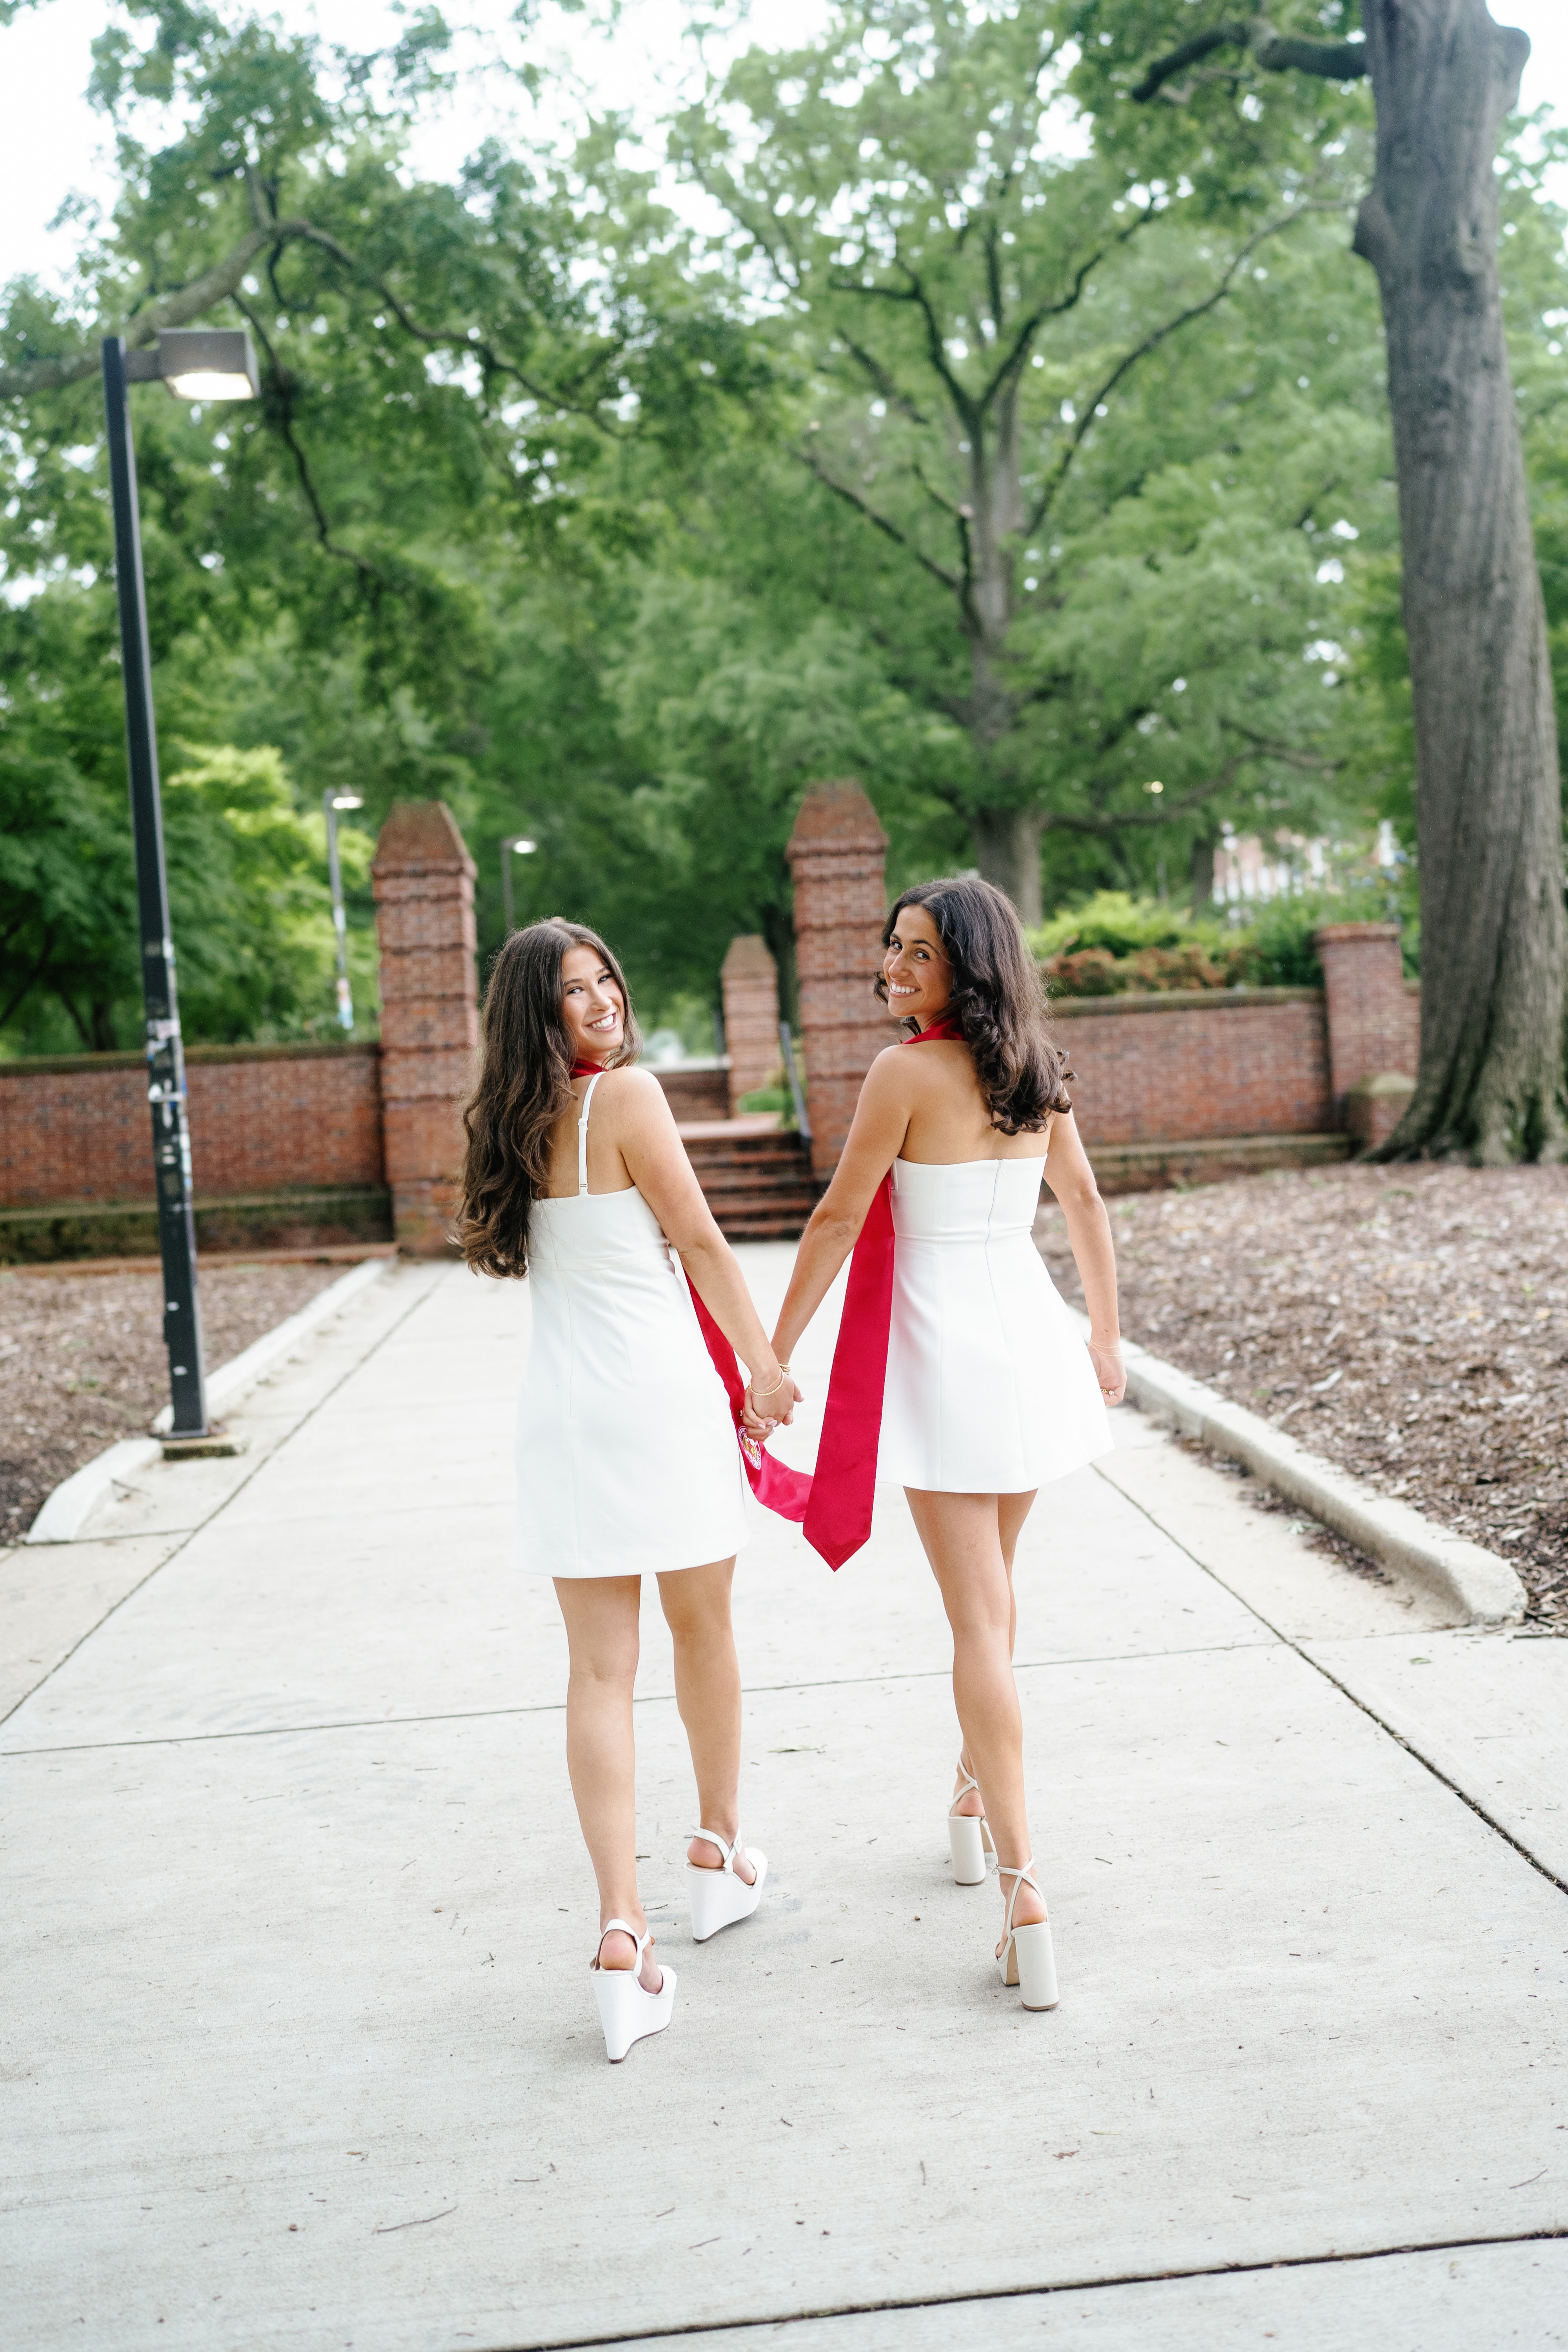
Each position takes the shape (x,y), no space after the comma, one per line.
(887,1079)
(631,1094)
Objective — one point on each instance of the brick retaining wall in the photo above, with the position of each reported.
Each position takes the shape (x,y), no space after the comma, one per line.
(264,1118)
(290,1142)
(1197,1063)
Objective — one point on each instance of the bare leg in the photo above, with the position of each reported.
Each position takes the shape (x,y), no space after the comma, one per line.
(600,1614)
(962,1539)
(1011,1510)
(695,1602)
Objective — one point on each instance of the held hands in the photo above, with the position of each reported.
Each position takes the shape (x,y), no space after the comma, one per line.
(1105,1355)
(776,1403)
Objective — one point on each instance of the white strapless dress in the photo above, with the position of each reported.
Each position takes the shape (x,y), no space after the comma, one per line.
(990,1389)
(626,1458)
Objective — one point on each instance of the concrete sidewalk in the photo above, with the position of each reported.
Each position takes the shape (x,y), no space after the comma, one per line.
(300,2048)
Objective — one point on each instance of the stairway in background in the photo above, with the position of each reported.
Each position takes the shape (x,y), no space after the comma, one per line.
(755,1176)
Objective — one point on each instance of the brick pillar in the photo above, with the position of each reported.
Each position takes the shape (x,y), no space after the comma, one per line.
(751,983)
(424,880)
(836,855)
(1368,1010)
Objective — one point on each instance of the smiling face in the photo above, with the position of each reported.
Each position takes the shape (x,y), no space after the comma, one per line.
(918,974)
(592,1005)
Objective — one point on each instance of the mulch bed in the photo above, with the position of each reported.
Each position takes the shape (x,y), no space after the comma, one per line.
(1411,1323)
(82,1361)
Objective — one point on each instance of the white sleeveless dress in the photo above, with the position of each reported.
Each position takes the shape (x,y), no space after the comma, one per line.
(989,1389)
(626,1458)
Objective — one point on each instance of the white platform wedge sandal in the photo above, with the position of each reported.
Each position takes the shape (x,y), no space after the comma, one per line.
(627,2011)
(968,1835)
(719,1897)
(1025,1958)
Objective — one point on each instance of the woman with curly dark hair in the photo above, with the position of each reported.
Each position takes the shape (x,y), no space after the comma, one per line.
(627,1455)
(988,1392)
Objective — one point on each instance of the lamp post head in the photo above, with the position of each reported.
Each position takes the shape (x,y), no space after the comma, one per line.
(347,801)
(199,363)
(520,847)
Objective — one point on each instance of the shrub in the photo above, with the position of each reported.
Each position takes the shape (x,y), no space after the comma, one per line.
(1117,944)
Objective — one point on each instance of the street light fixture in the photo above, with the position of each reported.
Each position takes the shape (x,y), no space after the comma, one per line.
(513,844)
(195,365)
(331,802)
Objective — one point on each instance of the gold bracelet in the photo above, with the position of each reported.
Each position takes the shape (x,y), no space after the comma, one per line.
(773,1386)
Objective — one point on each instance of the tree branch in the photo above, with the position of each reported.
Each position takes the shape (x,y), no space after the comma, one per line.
(1273,53)
(915,293)
(1070,821)
(841,490)
(885,384)
(1152,341)
(33,978)
(1012,366)
(214,285)
(1266,748)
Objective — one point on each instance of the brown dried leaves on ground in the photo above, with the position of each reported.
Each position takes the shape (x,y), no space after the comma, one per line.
(82,1361)
(1411,1323)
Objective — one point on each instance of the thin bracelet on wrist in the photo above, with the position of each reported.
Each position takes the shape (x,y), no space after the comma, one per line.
(773,1385)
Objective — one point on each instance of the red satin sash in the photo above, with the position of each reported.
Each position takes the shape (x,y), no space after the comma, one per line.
(836,1502)
(844,1487)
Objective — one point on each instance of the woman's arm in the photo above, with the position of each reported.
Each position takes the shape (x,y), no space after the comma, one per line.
(1071,1179)
(876,1138)
(643,1129)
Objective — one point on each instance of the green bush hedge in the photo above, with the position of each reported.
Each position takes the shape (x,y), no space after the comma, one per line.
(1116,944)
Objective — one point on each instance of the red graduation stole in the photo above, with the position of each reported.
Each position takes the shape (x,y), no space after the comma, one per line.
(836,1501)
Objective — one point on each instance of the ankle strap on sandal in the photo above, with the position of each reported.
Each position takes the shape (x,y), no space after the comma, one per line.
(622,1927)
(1022,1876)
(728,1847)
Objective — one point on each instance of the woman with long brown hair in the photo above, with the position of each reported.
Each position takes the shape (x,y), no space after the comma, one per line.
(627,1454)
(988,1392)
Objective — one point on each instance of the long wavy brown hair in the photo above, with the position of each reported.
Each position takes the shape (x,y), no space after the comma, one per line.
(525,1085)
(998,1000)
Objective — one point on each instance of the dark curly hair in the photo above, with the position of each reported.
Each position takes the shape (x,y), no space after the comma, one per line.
(525,1083)
(998,1000)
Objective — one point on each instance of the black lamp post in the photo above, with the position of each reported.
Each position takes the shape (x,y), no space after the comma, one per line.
(195,365)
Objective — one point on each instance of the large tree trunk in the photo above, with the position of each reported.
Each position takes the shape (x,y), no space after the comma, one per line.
(1489,824)
(1200,872)
(1007,852)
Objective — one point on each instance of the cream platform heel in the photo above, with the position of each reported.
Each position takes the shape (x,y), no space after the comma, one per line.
(1025,1958)
(719,1897)
(969,1836)
(627,2011)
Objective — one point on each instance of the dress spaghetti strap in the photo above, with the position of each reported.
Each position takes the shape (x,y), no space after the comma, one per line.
(582,1132)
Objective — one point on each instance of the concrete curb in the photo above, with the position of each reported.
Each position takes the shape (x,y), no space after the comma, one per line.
(67,1507)
(241,1373)
(1480,1585)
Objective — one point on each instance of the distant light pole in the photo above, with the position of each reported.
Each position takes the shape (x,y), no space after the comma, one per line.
(331,802)
(195,364)
(514,844)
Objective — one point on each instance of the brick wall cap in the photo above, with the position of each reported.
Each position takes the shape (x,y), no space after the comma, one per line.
(418,834)
(749,953)
(836,816)
(1181,1000)
(1383,1082)
(43,1066)
(1334,932)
